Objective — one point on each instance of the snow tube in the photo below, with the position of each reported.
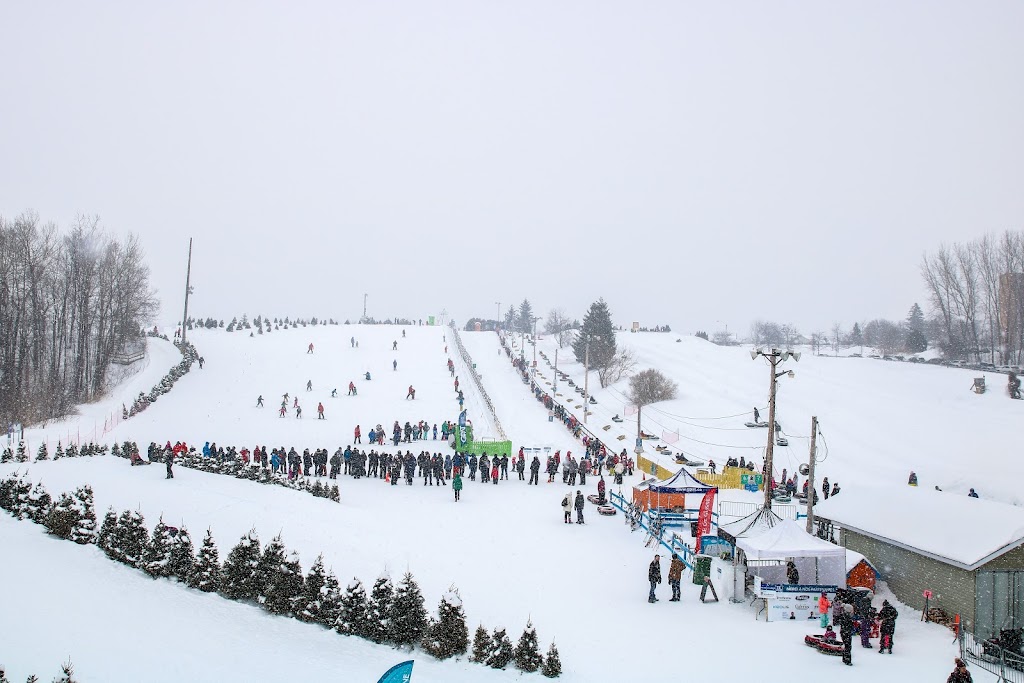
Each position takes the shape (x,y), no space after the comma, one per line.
(595,500)
(828,646)
(606,510)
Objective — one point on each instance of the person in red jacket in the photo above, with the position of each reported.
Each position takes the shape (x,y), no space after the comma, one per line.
(310,350)
(320,411)
(357,436)
(411,394)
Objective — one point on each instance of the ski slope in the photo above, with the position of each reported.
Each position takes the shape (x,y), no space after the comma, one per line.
(504,546)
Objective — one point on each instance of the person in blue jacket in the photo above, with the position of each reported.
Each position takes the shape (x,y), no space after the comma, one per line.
(206,450)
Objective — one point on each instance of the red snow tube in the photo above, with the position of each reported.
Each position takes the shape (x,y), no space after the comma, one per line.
(606,510)
(828,646)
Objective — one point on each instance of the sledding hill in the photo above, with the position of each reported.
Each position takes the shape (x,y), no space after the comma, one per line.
(504,546)
(880,419)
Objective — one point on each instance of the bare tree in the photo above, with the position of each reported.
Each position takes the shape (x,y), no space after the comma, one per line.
(647,387)
(616,367)
(559,325)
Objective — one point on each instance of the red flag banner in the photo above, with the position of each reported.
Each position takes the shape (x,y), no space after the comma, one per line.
(704,515)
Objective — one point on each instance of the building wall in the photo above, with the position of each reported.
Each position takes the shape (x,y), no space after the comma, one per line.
(1011,561)
(909,575)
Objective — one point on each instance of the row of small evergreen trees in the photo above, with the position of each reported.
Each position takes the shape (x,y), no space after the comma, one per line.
(21,453)
(66,676)
(272,577)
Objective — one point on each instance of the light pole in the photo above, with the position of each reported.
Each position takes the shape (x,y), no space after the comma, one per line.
(586,375)
(726,330)
(188,290)
(554,389)
(497,321)
(774,358)
(535,344)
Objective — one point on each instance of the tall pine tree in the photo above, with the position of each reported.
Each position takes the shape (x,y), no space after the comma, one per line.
(42,453)
(330,601)
(527,656)
(597,327)
(239,580)
(524,319)
(206,576)
(270,562)
(448,635)
(378,608)
(408,617)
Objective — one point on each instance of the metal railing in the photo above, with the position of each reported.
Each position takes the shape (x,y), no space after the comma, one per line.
(1007,666)
(468,360)
(736,508)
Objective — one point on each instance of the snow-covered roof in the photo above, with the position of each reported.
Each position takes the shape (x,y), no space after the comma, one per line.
(853,558)
(787,539)
(951,528)
(680,482)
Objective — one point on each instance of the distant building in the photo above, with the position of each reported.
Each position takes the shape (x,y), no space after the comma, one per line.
(969,552)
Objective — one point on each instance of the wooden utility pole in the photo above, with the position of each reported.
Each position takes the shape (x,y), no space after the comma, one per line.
(810,475)
(364,306)
(188,277)
(773,360)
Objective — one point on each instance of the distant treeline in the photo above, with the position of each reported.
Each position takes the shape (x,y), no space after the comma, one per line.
(69,304)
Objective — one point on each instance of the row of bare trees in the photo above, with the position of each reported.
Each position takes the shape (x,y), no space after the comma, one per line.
(69,303)
(976,290)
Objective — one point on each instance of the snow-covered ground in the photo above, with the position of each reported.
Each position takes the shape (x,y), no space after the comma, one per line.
(504,547)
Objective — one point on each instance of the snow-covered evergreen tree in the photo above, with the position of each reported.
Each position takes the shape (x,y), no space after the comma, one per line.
(63,517)
(482,645)
(108,529)
(7,456)
(72,451)
(527,655)
(310,609)
(207,570)
(330,601)
(158,552)
(280,577)
(501,650)
(59,453)
(21,455)
(448,636)
(42,453)
(85,530)
(67,673)
(131,538)
(21,505)
(182,561)
(39,502)
(334,494)
(239,580)
(378,608)
(353,614)
(408,617)
(115,450)
(552,663)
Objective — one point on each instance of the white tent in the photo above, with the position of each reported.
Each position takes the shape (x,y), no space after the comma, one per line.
(818,561)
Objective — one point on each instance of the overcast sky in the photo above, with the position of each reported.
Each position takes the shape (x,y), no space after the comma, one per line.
(696,163)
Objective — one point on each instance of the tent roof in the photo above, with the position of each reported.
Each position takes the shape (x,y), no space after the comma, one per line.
(755,523)
(787,539)
(680,482)
(949,527)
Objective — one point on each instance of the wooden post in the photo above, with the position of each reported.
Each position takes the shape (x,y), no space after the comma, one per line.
(810,475)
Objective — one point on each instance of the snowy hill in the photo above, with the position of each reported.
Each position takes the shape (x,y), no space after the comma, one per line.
(504,546)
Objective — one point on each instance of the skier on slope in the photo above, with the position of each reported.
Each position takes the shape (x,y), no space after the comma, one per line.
(320,411)
(259,401)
